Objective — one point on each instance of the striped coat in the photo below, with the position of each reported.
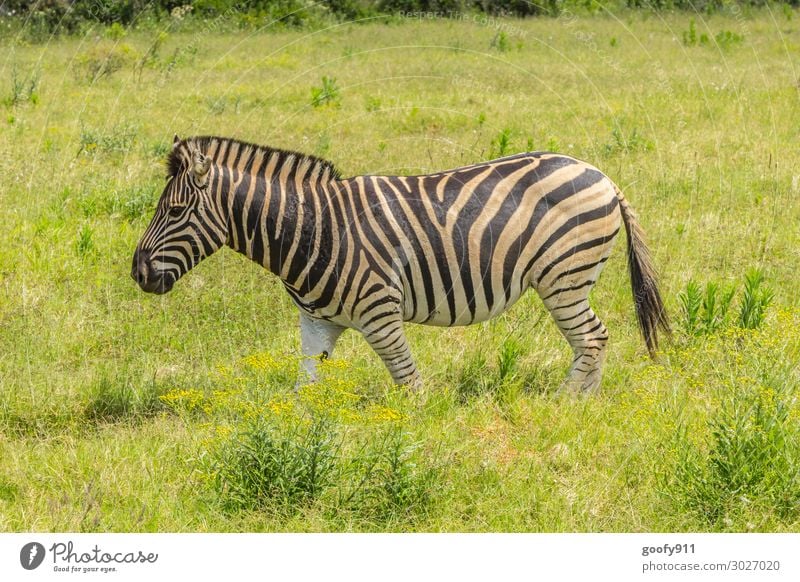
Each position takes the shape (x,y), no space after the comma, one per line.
(371,252)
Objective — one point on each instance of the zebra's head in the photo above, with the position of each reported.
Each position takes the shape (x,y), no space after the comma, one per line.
(188,224)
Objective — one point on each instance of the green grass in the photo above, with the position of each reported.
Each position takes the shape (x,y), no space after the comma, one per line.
(121,411)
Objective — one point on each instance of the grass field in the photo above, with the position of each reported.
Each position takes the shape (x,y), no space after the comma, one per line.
(126,412)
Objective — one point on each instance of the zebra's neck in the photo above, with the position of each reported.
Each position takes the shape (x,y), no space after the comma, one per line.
(274,203)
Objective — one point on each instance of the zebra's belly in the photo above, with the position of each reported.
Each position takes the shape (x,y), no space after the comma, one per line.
(443,316)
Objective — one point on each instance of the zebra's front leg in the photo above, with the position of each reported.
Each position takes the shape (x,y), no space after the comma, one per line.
(388,340)
(317,339)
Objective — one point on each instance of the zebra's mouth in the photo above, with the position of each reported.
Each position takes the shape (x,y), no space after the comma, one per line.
(160,286)
(157,283)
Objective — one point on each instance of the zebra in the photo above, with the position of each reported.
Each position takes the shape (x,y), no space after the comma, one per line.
(371,252)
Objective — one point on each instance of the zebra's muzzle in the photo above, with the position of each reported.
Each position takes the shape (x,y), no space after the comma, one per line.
(149,279)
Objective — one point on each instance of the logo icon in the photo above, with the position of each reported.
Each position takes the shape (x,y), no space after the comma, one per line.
(31,555)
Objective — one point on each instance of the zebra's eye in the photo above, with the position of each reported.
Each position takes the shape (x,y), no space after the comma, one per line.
(175,211)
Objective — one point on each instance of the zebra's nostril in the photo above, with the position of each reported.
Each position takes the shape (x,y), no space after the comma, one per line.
(141,267)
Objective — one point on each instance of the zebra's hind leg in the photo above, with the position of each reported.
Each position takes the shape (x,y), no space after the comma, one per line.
(587,336)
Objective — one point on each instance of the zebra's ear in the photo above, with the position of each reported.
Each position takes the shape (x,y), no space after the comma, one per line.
(175,141)
(201,164)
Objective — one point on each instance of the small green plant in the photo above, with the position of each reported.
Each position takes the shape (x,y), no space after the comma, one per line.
(726,39)
(716,305)
(116,31)
(23,89)
(501,144)
(473,379)
(755,300)
(137,202)
(151,55)
(113,397)
(384,481)
(327,93)
(626,143)
(690,36)
(500,42)
(691,302)
(223,103)
(84,245)
(103,60)
(708,311)
(117,139)
(510,352)
(705,312)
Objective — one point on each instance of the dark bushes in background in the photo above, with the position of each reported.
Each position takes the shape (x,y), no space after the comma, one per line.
(69,15)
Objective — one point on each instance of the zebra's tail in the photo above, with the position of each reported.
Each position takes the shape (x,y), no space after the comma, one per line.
(649,306)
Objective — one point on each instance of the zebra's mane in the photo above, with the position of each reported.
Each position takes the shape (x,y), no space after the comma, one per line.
(179,156)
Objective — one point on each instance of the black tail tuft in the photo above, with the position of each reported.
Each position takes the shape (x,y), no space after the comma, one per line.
(649,306)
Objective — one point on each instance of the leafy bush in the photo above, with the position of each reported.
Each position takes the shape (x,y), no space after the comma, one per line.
(707,312)
(118,139)
(501,144)
(632,141)
(263,465)
(103,60)
(23,89)
(477,377)
(271,450)
(746,457)
(327,93)
(114,397)
(84,244)
(754,301)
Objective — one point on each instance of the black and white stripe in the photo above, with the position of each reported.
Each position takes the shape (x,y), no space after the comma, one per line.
(370,252)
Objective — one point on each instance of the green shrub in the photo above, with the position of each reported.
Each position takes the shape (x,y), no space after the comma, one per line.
(103,60)
(84,244)
(23,88)
(385,482)
(501,144)
(262,466)
(621,142)
(114,397)
(755,300)
(118,139)
(745,458)
(327,93)
(707,312)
